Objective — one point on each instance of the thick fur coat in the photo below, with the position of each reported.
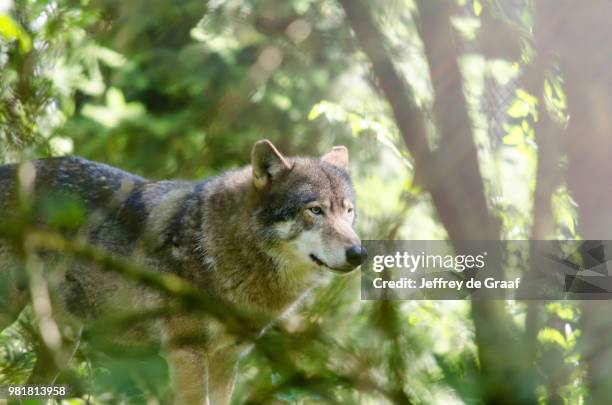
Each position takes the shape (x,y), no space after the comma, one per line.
(258,237)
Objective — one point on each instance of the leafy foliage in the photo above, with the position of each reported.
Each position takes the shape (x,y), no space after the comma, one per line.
(183,88)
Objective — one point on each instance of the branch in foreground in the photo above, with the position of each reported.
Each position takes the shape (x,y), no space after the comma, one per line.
(237,322)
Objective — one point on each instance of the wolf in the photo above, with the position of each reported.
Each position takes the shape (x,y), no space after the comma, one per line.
(259,237)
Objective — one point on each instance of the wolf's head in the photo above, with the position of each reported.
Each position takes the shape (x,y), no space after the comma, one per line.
(307,207)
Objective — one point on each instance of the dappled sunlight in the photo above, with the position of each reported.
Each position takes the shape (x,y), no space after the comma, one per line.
(461,120)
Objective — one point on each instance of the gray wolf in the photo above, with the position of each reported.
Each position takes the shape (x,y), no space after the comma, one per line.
(259,237)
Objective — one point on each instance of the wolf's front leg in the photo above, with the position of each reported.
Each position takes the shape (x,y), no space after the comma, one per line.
(188,375)
(222,368)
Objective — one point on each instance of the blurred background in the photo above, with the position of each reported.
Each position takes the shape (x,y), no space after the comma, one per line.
(465,119)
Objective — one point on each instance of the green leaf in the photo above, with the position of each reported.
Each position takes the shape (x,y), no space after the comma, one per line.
(526,97)
(109,57)
(316,111)
(518,109)
(11,31)
(477,7)
(115,111)
(550,335)
(516,136)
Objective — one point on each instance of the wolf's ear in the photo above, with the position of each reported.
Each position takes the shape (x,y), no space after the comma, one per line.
(267,163)
(337,156)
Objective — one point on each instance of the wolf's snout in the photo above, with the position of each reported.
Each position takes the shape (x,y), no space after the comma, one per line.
(356,255)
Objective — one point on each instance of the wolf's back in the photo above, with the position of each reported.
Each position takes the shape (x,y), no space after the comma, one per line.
(95,184)
(68,194)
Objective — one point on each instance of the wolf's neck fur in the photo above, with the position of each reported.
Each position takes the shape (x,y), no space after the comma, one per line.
(214,229)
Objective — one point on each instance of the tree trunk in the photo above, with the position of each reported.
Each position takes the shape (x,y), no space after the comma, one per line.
(452,176)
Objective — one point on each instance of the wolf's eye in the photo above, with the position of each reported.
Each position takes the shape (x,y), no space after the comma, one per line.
(349,210)
(316,210)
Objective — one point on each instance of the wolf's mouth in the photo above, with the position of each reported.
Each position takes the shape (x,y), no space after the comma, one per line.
(318,261)
(322,263)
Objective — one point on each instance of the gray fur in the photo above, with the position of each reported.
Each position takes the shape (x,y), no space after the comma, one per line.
(239,236)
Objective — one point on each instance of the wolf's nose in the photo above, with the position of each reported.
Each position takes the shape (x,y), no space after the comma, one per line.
(356,255)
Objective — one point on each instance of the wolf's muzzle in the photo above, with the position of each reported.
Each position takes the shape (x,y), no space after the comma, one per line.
(356,255)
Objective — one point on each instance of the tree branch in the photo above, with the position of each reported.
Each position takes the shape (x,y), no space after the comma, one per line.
(242,324)
(451,173)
